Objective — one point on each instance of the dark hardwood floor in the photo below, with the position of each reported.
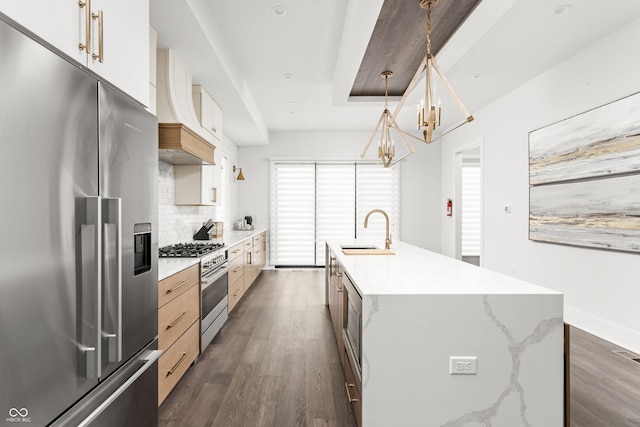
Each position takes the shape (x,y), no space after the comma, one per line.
(605,387)
(276,363)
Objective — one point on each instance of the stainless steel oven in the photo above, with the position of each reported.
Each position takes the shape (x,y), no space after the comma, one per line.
(214,299)
(352,327)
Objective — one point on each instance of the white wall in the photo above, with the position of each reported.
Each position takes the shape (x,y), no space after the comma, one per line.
(601,287)
(419,178)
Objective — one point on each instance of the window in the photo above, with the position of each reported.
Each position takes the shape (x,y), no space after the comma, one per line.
(312,202)
(471,208)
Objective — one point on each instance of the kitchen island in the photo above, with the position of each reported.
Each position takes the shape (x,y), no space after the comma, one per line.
(419,310)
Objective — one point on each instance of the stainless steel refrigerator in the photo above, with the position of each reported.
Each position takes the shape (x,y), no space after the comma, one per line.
(78,244)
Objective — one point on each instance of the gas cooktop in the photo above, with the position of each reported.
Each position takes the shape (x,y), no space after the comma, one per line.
(189,250)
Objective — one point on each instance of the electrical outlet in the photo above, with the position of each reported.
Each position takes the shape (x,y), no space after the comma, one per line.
(463,365)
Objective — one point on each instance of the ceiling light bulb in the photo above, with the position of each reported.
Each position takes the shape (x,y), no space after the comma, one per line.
(278,10)
(287,76)
(478,75)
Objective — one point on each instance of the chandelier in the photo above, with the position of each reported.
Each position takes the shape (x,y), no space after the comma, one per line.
(386,124)
(429,113)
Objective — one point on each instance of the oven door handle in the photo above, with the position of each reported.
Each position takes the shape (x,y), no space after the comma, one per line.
(214,275)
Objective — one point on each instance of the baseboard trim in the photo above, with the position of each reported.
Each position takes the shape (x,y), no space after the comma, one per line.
(605,329)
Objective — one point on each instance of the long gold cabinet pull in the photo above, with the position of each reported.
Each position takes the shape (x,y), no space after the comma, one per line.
(172,370)
(181,284)
(175,322)
(87,25)
(100,55)
(347,386)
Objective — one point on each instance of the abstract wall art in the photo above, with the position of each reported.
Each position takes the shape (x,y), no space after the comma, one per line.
(584,179)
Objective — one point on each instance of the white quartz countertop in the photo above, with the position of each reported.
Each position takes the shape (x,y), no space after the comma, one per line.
(413,270)
(170,266)
(233,237)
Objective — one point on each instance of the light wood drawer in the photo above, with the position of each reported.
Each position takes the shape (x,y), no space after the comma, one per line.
(258,239)
(235,251)
(176,360)
(352,389)
(236,290)
(236,268)
(179,283)
(177,316)
(248,244)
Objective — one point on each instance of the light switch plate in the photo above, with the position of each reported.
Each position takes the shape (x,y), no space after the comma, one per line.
(463,365)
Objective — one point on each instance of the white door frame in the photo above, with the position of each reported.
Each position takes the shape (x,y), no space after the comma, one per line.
(457,197)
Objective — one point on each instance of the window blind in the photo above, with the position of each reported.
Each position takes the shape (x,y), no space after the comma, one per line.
(312,202)
(471,207)
(335,204)
(377,188)
(292,240)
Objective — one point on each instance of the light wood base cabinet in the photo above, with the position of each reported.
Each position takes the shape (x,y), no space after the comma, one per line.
(178,327)
(246,261)
(176,360)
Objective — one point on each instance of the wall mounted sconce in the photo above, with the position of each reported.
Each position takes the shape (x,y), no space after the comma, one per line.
(240,175)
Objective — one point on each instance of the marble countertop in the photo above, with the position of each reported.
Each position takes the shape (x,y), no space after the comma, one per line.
(170,266)
(413,270)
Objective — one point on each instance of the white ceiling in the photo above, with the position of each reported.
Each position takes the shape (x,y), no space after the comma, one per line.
(240,51)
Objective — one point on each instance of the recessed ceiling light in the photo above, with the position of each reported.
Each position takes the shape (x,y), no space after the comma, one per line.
(287,76)
(561,9)
(478,75)
(278,10)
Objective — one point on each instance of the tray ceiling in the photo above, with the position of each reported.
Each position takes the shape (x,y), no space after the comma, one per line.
(398,42)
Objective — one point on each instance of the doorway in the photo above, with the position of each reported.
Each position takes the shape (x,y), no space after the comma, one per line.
(468,204)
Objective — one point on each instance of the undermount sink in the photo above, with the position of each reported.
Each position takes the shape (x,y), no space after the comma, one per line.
(365,250)
(358,247)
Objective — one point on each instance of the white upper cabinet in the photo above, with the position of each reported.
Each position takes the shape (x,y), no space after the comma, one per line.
(209,113)
(116,32)
(125,45)
(194,185)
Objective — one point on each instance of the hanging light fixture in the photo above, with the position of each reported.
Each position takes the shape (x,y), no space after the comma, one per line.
(429,113)
(240,175)
(387,123)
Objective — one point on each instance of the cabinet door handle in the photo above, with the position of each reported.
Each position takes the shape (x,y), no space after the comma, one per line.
(237,292)
(181,284)
(100,55)
(214,195)
(87,25)
(235,270)
(347,386)
(175,322)
(214,130)
(172,370)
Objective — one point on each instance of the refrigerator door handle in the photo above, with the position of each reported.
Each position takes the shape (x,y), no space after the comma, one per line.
(149,360)
(112,237)
(91,289)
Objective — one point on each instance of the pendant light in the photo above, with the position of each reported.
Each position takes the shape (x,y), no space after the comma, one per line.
(429,113)
(386,124)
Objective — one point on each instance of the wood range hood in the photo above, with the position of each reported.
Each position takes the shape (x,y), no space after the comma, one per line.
(179,141)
